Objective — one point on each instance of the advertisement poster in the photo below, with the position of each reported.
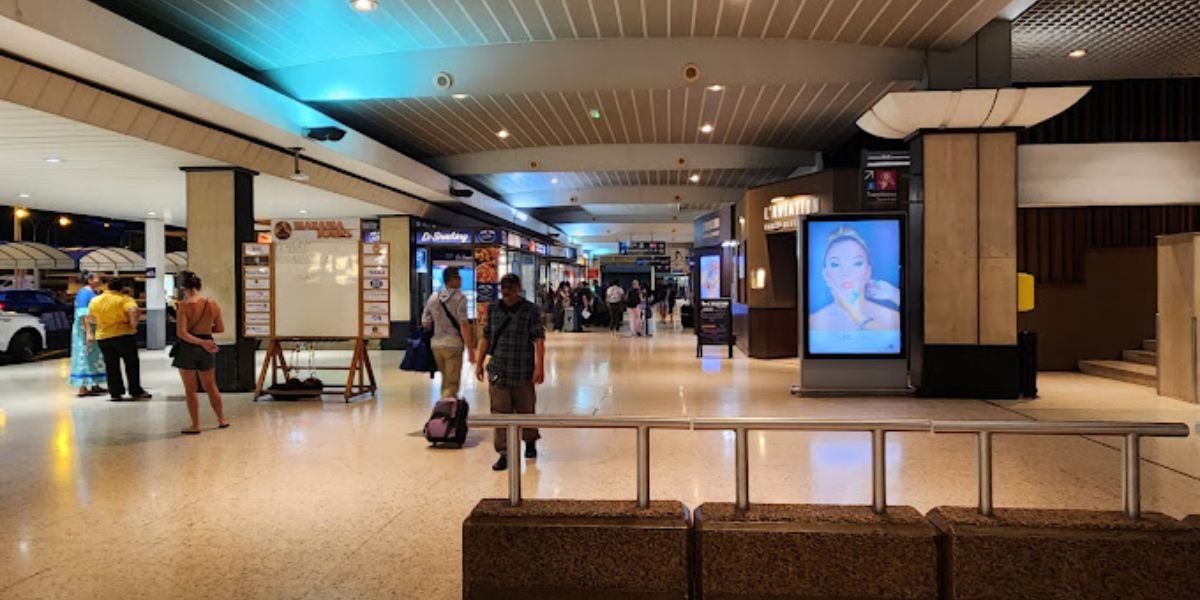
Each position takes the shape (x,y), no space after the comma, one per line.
(710,277)
(853,287)
(487,265)
(884,179)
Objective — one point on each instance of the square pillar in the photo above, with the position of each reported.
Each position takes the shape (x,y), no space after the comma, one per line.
(220,218)
(156,295)
(966,186)
(397,231)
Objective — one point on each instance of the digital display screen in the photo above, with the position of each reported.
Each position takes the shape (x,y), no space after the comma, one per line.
(853,286)
(467,272)
(710,276)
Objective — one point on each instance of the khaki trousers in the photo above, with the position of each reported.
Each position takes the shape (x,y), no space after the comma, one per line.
(513,399)
(449,363)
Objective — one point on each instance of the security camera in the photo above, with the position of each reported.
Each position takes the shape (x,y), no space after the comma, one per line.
(325,134)
(461,193)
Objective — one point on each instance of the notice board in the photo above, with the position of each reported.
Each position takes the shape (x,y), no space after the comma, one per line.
(317,289)
(714,324)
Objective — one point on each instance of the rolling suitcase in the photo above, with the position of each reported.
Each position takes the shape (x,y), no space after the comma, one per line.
(448,423)
(569,320)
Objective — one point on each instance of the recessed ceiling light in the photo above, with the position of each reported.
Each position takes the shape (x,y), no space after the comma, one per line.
(503,134)
(460,96)
(151,214)
(706,128)
(695,178)
(716,87)
(364,5)
(1078,53)
(595,114)
(553,180)
(23,196)
(54,160)
(303,212)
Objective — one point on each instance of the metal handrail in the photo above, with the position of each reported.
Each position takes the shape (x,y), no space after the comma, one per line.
(1132,432)
(1131,451)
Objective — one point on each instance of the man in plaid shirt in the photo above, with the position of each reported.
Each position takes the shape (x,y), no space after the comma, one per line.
(516,340)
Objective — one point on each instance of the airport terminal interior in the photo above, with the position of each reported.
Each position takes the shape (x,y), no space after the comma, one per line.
(842,299)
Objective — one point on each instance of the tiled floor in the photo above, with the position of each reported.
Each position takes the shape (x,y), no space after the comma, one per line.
(331,500)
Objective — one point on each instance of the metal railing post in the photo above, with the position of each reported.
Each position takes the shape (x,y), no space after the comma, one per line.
(878,471)
(514,465)
(1131,475)
(643,466)
(742,467)
(985,473)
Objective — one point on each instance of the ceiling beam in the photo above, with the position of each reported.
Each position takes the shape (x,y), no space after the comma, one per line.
(630,194)
(623,157)
(581,65)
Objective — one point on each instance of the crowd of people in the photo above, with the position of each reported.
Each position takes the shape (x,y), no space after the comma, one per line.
(574,308)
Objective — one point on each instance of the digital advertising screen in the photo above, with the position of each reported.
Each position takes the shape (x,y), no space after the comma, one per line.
(466,270)
(854,286)
(710,276)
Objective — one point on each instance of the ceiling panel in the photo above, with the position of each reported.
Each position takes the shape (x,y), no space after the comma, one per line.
(811,117)
(520,183)
(1124,39)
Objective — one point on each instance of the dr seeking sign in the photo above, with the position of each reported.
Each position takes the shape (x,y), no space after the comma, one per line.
(444,237)
(310,230)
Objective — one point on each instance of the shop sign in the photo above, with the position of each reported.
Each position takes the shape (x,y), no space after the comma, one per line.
(514,240)
(444,236)
(642,248)
(541,249)
(572,253)
(487,236)
(711,228)
(309,230)
(783,213)
(559,252)
(882,173)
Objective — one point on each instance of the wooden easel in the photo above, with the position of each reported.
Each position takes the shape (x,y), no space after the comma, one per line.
(276,363)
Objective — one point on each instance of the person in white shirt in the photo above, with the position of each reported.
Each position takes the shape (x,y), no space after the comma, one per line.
(446,316)
(615,296)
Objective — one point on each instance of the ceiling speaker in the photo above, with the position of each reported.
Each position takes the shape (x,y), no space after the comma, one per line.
(691,72)
(443,80)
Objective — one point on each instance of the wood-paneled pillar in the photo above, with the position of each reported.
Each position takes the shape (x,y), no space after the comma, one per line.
(220,218)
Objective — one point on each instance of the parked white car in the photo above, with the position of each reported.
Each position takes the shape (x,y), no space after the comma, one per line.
(22,336)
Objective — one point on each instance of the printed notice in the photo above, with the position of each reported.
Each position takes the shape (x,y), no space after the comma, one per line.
(258,307)
(258,330)
(375,308)
(375,284)
(258,296)
(375,296)
(256,250)
(258,318)
(375,331)
(375,319)
(258,271)
(258,284)
(375,260)
(375,272)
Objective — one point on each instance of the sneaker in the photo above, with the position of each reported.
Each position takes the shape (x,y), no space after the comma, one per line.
(501,464)
(142,395)
(530,449)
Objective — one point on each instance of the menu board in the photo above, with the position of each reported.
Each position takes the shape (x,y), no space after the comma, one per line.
(257,296)
(376,297)
(714,324)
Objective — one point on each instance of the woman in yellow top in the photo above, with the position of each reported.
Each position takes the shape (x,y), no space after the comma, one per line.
(197,319)
(112,323)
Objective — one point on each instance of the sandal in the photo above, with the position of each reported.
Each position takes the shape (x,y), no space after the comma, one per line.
(223,426)
(190,431)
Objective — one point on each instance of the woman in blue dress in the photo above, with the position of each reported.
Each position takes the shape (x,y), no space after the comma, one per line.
(87,363)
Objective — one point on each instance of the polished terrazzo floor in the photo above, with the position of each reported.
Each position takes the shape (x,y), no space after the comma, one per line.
(323,500)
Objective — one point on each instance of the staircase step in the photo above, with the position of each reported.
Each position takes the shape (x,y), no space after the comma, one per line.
(1150,345)
(1121,371)
(1142,357)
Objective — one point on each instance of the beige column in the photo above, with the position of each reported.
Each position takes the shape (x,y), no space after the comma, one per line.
(220,218)
(397,231)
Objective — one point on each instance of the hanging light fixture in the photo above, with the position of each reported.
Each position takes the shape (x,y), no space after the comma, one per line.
(297,174)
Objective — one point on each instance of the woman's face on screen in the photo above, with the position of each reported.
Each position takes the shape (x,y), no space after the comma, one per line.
(847,269)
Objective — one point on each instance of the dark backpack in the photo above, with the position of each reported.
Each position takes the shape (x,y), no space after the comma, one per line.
(418,355)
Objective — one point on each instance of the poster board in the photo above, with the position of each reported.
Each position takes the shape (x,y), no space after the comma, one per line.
(376,295)
(714,324)
(316,288)
(257,295)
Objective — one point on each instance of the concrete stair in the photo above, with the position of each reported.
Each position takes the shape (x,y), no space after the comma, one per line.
(1150,345)
(1136,366)
(1141,357)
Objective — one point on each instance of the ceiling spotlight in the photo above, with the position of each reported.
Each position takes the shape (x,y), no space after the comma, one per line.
(595,114)
(107,225)
(716,87)
(503,134)
(151,214)
(553,180)
(63,221)
(695,178)
(303,212)
(54,160)
(460,96)
(706,128)
(1078,53)
(23,196)
(364,5)
(297,174)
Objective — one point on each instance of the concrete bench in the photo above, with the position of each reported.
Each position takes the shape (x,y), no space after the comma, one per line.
(1066,555)
(576,550)
(794,552)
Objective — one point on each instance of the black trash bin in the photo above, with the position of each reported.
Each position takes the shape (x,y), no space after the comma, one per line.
(1027,352)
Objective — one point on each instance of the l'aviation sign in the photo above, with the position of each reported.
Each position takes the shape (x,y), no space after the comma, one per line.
(445,236)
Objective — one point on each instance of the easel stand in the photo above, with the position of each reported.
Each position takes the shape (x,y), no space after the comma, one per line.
(276,363)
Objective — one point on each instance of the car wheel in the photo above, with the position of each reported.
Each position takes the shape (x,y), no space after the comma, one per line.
(24,346)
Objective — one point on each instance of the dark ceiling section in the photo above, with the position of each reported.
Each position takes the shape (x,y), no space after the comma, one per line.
(1138,110)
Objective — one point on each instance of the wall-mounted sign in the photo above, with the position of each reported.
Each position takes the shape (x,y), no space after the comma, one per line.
(884,178)
(421,258)
(308,230)
(541,249)
(487,236)
(513,240)
(783,212)
(642,248)
(445,236)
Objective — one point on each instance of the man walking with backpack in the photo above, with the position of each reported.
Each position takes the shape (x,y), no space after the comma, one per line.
(446,315)
(516,340)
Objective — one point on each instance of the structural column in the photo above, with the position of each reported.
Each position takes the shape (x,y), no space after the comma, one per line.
(397,231)
(156,266)
(220,218)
